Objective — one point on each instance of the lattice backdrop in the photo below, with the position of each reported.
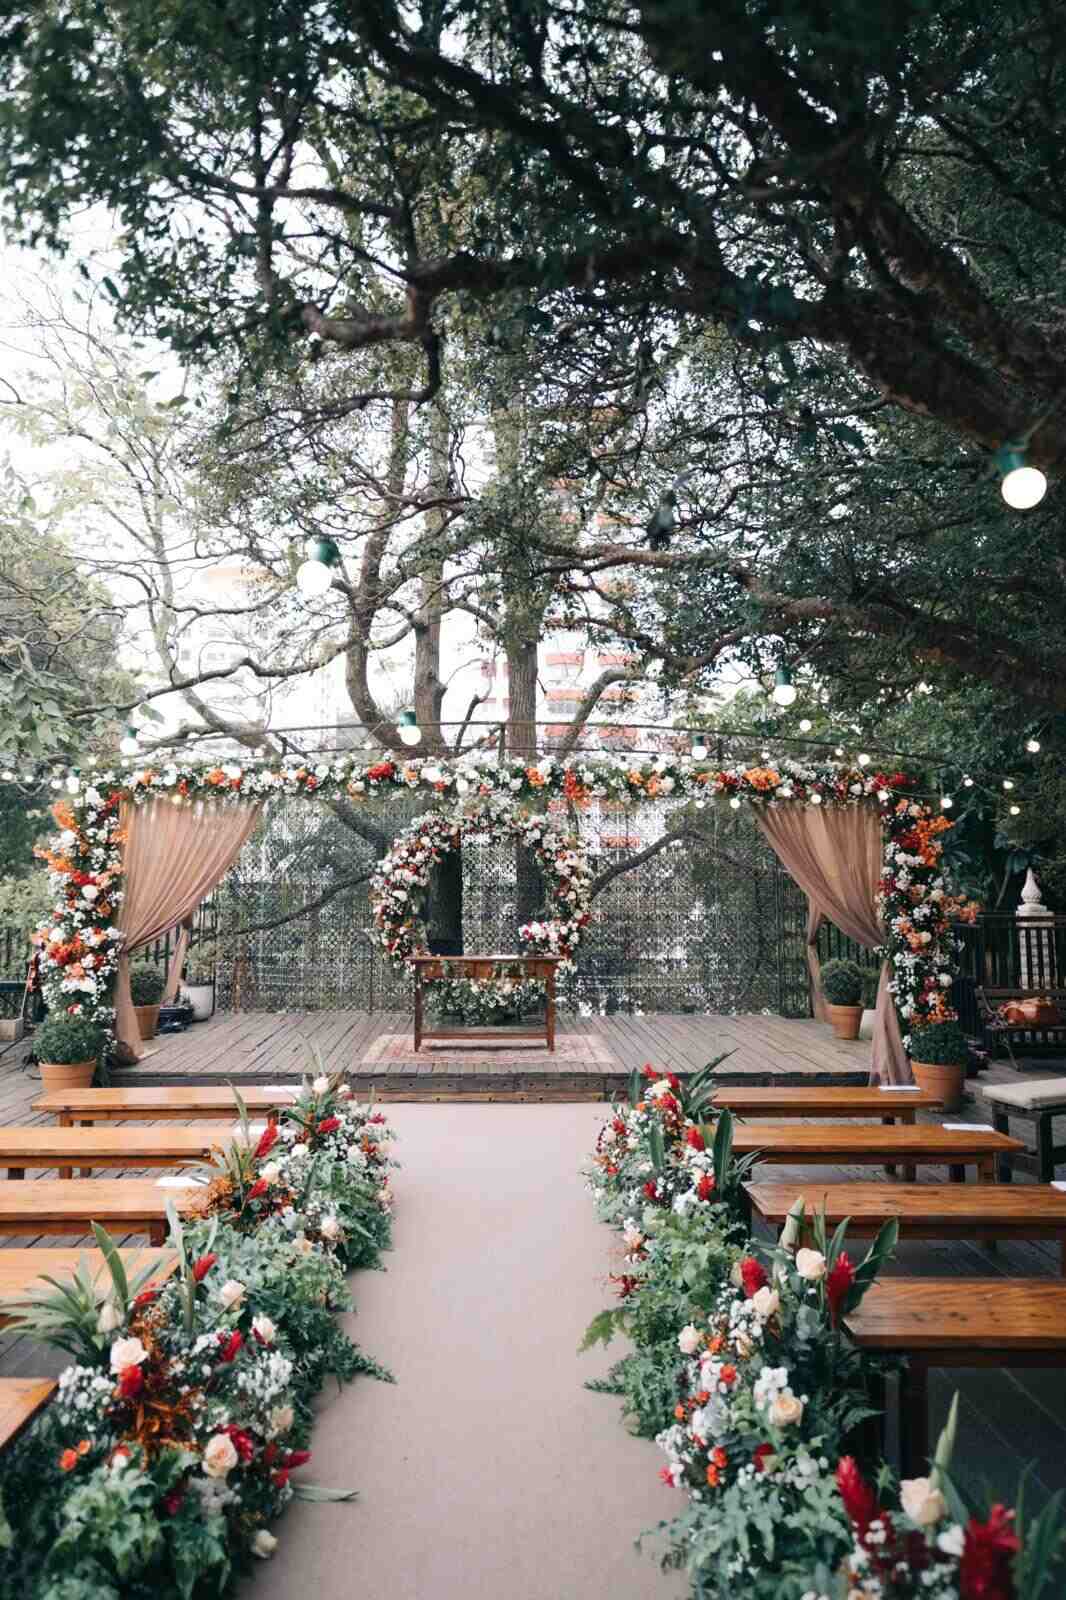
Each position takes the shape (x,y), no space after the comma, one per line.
(713,925)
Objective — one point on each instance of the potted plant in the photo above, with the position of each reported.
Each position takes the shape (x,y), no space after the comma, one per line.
(939,1054)
(199,989)
(67,1050)
(842,987)
(146,988)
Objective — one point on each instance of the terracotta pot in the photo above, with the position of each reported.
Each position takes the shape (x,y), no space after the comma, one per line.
(944,1081)
(147,1020)
(67,1074)
(846,1020)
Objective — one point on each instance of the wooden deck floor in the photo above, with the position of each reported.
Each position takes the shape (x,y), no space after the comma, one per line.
(594,1055)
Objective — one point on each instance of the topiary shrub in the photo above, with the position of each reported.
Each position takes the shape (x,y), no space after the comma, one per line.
(842,983)
(63,1040)
(940,1044)
(147,985)
(871,978)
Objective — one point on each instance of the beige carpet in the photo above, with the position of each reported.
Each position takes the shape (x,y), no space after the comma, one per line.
(487,1472)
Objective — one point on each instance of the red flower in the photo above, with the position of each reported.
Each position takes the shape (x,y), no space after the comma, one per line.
(243,1442)
(649,1190)
(297,1458)
(649,1072)
(145,1298)
(695,1138)
(380,771)
(838,1282)
(280,1478)
(759,1456)
(267,1140)
(728,1376)
(258,1189)
(674,1081)
(203,1266)
(172,1502)
(377,1117)
(618,1125)
(130,1382)
(988,1557)
(231,1344)
(860,1501)
(753,1275)
(705,1187)
(329,1124)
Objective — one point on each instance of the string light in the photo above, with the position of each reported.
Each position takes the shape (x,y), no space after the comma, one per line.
(1033,746)
(864,760)
(129,744)
(967,783)
(408,729)
(816,799)
(805,725)
(946,802)
(1015,811)
(1022,487)
(1008,783)
(784,690)
(314,575)
(7,774)
(699,747)
(839,751)
(735,803)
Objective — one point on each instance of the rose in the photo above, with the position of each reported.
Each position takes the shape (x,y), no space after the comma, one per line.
(688,1340)
(220,1456)
(329,1227)
(785,1409)
(766,1302)
(264,1544)
(264,1329)
(270,1172)
(127,1353)
(320,1085)
(922,1502)
(109,1317)
(281,1419)
(232,1292)
(810,1264)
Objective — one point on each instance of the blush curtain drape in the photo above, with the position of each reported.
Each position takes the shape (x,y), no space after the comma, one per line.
(172,857)
(835,854)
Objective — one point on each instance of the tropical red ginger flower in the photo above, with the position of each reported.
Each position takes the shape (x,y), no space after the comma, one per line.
(619,1126)
(242,1442)
(860,1501)
(203,1266)
(130,1382)
(759,1455)
(329,1124)
(267,1140)
(705,1187)
(695,1138)
(650,1191)
(146,1297)
(838,1281)
(753,1275)
(230,1345)
(989,1548)
(258,1189)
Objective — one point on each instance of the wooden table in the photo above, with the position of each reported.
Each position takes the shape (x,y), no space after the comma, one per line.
(428,968)
(20,1270)
(21,1399)
(957,1322)
(185,1103)
(108,1146)
(875,1145)
(833,1101)
(923,1210)
(52,1206)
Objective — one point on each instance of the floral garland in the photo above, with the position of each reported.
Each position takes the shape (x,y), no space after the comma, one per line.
(399,885)
(79,945)
(171,1442)
(744,1375)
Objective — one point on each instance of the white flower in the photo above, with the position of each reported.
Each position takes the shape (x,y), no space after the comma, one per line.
(270,1171)
(329,1227)
(220,1456)
(109,1317)
(688,1340)
(303,1245)
(923,1503)
(264,1544)
(89,892)
(264,1329)
(952,1540)
(766,1301)
(785,1409)
(127,1353)
(633,1237)
(232,1292)
(320,1085)
(299,1150)
(810,1264)
(345,1091)
(281,1419)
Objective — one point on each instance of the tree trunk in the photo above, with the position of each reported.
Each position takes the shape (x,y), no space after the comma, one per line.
(522,741)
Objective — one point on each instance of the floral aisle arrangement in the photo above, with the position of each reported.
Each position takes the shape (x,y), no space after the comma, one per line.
(168,1451)
(78,945)
(743,1373)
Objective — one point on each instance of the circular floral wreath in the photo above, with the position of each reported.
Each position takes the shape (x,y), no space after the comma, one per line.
(398,888)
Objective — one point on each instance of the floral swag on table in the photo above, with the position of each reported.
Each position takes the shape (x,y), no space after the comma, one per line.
(170,1446)
(399,887)
(79,945)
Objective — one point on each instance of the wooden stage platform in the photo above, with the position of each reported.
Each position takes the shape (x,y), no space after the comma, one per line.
(593,1059)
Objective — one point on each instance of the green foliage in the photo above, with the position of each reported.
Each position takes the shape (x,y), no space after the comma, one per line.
(842,982)
(67,1039)
(943,1044)
(147,985)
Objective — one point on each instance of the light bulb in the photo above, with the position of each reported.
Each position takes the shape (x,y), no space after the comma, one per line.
(699,748)
(1015,811)
(7,774)
(73,784)
(839,751)
(967,783)
(1023,488)
(816,799)
(129,744)
(408,729)
(806,725)
(735,803)
(925,688)
(27,777)
(57,783)
(313,578)
(946,802)
(1008,783)
(1032,745)
(784,690)
(864,760)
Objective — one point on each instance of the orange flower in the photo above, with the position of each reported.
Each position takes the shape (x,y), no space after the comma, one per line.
(653,786)
(712,1476)
(728,1375)
(635,779)
(715,1344)
(535,778)
(719,1457)
(679,1413)
(68,1461)
(84,1447)
(763,778)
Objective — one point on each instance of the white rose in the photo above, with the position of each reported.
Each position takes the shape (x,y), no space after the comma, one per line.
(329,1227)
(127,1353)
(232,1292)
(89,892)
(281,1419)
(220,1456)
(270,1171)
(56,936)
(785,1409)
(922,1503)
(345,1091)
(264,1329)
(633,1238)
(810,1264)
(264,1544)
(766,1301)
(320,1085)
(951,1541)
(109,1317)
(299,1150)
(688,1340)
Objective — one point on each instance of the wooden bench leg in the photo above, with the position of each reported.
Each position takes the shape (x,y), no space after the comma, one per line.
(914,1418)
(1045,1152)
(1062,1257)
(890,1167)
(16,1172)
(957,1174)
(987,1169)
(157,1233)
(85,1172)
(1001,1123)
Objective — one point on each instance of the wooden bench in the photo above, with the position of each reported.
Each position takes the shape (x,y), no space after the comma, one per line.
(957,1322)
(183,1103)
(1030,1038)
(22,1149)
(1037,1102)
(20,1270)
(52,1206)
(875,1145)
(21,1399)
(923,1210)
(890,1105)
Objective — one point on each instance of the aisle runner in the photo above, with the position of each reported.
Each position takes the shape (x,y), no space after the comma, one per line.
(487,1471)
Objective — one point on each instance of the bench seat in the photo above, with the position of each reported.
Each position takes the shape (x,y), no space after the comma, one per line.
(182,1103)
(55,1207)
(21,1400)
(876,1145)
(897,1105)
